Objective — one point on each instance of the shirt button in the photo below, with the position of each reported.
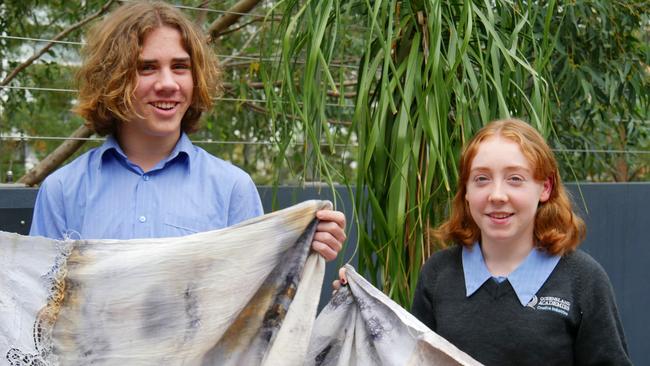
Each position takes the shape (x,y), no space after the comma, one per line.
(142,219)
(145,177)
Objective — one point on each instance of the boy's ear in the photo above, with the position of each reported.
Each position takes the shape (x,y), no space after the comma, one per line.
(547,189)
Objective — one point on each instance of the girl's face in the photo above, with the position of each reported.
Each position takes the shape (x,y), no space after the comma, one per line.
(503,194)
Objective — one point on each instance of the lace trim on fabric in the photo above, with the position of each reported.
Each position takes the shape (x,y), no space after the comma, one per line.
(54,281)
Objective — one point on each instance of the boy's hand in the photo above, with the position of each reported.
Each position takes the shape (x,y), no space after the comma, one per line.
(330,234)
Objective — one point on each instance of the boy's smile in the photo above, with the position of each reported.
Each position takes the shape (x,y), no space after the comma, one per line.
(164,90)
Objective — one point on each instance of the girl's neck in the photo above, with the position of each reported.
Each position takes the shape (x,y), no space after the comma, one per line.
(502,258)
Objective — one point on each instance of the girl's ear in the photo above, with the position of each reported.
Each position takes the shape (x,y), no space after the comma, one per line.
(547,189)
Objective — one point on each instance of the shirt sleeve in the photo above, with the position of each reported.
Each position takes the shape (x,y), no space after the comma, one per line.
(49,212)
(600,324)
(245,202)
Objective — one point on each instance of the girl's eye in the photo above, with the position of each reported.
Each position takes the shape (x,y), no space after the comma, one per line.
(182,66)
(516,179)
(481,179)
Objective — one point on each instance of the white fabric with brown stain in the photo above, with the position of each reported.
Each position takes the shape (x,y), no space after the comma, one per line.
(214,298)
(362,326)
(245,295)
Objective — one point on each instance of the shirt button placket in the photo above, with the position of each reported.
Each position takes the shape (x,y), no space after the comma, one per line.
(142,209)
(143,218)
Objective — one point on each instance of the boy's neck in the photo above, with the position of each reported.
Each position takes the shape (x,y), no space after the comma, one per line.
(502,258)
(146,151)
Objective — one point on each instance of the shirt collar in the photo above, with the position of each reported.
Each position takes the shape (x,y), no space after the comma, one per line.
(526,280)
(183,147)
(111,145)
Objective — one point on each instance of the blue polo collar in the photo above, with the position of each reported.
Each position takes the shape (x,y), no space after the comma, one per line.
(526,280)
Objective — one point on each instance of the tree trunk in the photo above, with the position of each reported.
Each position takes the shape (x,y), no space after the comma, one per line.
(228,19)
(56,157)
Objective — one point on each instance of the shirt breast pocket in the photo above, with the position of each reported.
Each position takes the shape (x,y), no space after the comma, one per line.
(177,225)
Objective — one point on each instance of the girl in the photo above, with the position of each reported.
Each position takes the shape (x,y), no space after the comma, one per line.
(515,291)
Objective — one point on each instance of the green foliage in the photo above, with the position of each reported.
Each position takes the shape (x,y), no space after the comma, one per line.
(601,87)
(431,73)
(240,128)
(31,112)
(446,69)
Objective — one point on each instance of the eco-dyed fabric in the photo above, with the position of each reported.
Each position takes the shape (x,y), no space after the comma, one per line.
(213,298)
(362,326)
(245,295)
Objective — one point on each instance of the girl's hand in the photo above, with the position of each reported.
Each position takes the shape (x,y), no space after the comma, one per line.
(342,281)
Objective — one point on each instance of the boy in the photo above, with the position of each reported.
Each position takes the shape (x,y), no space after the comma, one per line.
(147,77)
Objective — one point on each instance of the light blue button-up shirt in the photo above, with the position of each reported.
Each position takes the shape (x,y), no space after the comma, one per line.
(526,280)
(102,195)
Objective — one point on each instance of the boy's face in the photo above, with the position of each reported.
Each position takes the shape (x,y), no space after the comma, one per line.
(503,194)
(165,84)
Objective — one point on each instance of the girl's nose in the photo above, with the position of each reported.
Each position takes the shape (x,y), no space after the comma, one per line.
(498,193)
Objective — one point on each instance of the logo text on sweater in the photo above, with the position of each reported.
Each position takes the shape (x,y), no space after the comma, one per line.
(551,303)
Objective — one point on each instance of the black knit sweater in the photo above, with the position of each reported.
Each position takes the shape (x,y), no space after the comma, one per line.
(572,320)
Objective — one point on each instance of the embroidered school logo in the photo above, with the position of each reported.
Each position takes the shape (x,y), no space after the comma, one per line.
(533,302)
(552,303)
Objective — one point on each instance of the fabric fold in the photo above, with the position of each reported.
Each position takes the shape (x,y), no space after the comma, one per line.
(245,295)
(215,298)
(362,326)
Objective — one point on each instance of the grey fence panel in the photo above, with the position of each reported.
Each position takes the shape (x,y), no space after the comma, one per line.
(618,231)
(16,208)
(618,227)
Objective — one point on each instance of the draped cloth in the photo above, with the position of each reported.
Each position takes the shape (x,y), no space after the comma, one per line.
(244,295)
(213,298)
(362,326)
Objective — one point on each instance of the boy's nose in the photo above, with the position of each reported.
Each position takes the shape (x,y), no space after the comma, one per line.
(166,81)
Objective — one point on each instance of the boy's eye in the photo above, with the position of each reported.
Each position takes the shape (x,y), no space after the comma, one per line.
(147,67)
